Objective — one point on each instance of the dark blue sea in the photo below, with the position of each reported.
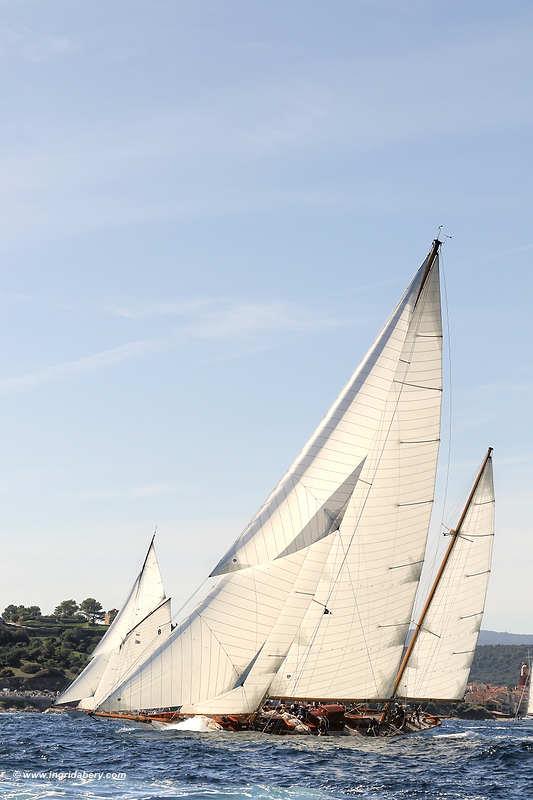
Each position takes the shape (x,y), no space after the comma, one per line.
(53,756)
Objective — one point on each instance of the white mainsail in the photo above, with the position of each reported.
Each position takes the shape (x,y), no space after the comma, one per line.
(359,495)
(529,711)
(438,664)
(375,565)
(146,595)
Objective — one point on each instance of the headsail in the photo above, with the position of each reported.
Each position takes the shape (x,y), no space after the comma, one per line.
(437,662)
(146,594)
(369,469)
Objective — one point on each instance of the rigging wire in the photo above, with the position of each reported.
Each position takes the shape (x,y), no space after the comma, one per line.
(449,423)
(450,396)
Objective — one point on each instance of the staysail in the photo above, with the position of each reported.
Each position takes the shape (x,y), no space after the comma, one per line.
(359,495)
(438,660)
(146,595)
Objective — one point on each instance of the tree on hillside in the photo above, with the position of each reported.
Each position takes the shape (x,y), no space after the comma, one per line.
(67,608)
(91,609)
(11,613)
(14,613)
(32,612)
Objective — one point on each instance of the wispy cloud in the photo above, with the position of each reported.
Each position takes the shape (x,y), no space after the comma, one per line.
(201,320)
(139,311)
(32,45)
(220,318)
(238,319)
(132,493)
(95,361)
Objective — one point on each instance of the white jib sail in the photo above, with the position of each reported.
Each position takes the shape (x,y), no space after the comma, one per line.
(146,594)
(440,662)
(529,711)
(397,388)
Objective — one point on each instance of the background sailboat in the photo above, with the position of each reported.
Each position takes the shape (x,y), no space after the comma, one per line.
(140,626)
(437,661)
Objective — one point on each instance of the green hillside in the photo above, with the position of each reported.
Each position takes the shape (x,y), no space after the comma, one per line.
(498,664)
(45,653)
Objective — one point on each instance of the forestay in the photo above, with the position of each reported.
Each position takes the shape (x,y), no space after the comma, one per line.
(440,661)
(369,468)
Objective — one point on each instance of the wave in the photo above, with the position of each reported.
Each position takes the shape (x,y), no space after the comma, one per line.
(465,760)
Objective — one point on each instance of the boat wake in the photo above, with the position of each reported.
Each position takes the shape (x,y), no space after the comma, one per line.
(198,724)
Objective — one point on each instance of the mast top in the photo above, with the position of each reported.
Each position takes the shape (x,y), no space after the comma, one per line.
(430,260)
(435,245)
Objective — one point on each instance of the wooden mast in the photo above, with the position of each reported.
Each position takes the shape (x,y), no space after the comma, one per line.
(454,535)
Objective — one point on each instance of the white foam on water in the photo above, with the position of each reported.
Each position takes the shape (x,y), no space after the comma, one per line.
(198,724)
(462,735)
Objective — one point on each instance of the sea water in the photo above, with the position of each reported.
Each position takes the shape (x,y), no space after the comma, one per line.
(60,756)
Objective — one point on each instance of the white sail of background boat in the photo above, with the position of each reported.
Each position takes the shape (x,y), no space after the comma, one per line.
(141,625)
(315,599)
(524,704)
(437,662)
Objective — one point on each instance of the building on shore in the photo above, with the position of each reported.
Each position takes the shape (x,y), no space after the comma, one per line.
(110,616)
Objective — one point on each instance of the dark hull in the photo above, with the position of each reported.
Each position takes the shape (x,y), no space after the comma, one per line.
(324,720)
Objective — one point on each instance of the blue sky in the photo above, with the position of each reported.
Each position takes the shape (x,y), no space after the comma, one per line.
(207,210)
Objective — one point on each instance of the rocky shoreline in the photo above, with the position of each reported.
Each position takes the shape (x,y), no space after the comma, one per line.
(26,701)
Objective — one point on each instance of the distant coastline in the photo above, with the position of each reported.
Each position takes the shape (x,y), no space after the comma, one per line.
(499,637)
